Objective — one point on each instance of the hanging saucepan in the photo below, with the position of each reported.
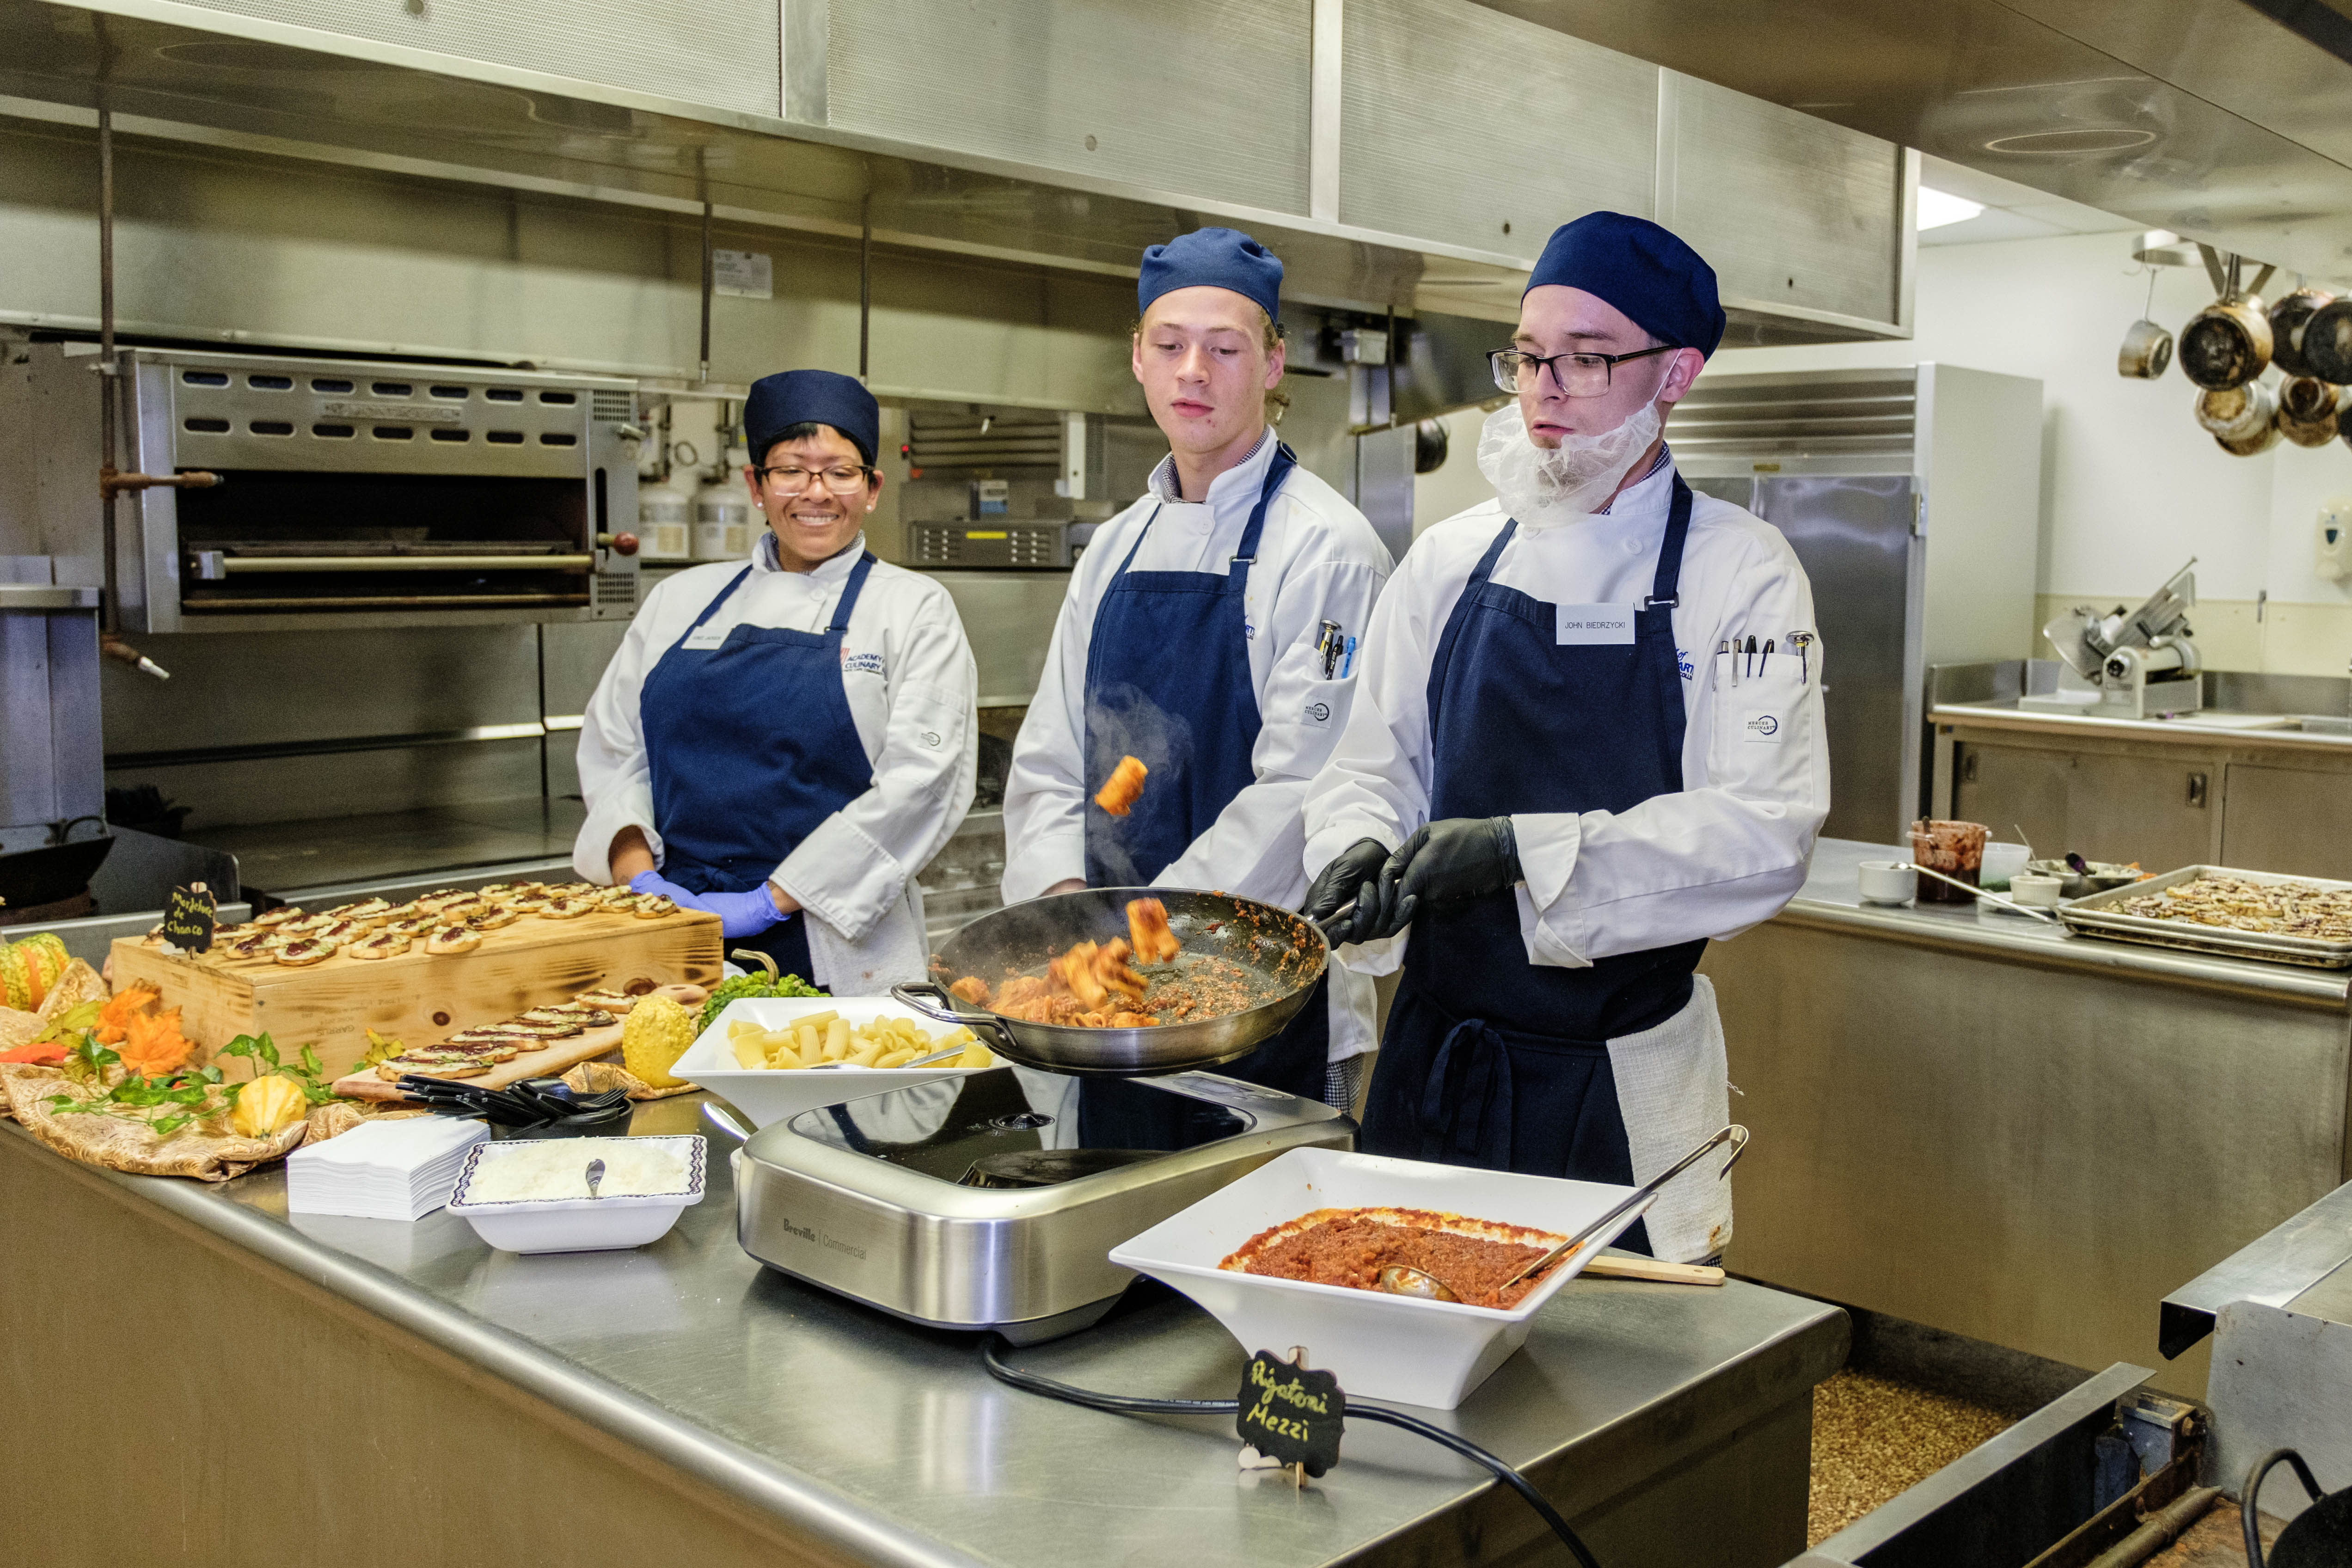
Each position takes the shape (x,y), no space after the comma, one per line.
(2146,350)
(2318,1537)
(2287,319)
(2307,409)
(2325,344)
(2226,343)
(2236,412)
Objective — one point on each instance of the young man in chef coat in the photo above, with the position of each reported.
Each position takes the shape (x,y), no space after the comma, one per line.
(786,742)
(1553,778)
(1193,637)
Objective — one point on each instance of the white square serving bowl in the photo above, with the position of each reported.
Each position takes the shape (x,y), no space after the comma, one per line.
(1379,1346)
(771,1094)
(576,1225)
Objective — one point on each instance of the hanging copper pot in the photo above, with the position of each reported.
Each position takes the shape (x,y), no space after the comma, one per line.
(2226,343)
(2237,413)
(2307,410)
(2262,440)
(2287,319)
(2325,344)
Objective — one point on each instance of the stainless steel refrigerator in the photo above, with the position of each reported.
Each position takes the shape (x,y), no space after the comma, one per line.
(1912,496)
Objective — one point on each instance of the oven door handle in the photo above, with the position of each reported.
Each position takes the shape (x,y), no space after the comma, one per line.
(212,565)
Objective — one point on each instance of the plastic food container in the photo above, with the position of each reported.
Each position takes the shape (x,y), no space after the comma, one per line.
(2000,862)
(576,1225)
(771,1094)
(1955,849)
(1379,1346)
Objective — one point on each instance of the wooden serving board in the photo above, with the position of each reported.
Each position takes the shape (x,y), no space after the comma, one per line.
(551,1060)
(417,997)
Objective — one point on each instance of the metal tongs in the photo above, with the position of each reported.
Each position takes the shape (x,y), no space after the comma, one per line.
(1400,1279)
(1991,898)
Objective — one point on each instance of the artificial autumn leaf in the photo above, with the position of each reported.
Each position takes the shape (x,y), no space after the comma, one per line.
(155,1045)
(40,1053)
(114,1018)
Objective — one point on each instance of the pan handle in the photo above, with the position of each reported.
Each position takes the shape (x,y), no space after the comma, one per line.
(933,1002)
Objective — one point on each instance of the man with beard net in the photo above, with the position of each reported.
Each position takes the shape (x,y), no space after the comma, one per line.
(1564,771)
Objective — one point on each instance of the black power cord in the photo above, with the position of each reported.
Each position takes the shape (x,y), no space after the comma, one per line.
(1130,1404)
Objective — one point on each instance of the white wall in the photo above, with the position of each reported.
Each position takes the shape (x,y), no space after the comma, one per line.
(2130,487)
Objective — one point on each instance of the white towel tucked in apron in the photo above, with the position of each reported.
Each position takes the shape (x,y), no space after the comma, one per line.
(1674,1088)
(895,952)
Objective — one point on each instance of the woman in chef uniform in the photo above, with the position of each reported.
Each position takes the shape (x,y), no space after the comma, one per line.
(1190,640)
(1550,773)
(786,742)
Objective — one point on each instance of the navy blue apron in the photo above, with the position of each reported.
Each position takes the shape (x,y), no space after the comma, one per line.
(1168,679)
(1490,1060)
(751,745)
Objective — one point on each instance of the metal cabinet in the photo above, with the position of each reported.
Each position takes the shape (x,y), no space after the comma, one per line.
(2280,817)
(2224,801)
(2155,805)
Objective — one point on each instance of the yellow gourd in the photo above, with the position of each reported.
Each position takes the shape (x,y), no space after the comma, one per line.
(657,1032)
(268,1106)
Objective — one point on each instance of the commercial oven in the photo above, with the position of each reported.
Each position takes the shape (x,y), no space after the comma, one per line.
(400,492)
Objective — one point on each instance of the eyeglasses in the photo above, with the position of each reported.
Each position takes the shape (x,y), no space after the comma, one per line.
(1576,375)
(791,479)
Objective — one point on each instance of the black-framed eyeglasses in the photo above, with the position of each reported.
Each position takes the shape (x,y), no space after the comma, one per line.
(791,479)
(1576,374)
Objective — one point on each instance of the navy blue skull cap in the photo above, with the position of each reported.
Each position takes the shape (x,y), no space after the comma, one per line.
(793,397)
(1643,269)
(1214,258)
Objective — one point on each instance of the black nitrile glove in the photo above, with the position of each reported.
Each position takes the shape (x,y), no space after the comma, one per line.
(1353,873)
(1451,861)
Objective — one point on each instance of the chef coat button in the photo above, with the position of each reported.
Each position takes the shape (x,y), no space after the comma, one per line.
(1632,547)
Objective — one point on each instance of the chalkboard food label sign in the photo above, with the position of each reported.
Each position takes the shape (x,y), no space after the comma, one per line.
(1290,1414)
(188,916)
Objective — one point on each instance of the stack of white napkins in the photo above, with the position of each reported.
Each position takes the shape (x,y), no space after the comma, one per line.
(400,1170)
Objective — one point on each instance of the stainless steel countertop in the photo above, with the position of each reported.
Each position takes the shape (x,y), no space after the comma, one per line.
(2212,728)
(1829,901)
(892,1444)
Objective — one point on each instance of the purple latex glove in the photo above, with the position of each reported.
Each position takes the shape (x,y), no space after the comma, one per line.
(740,914)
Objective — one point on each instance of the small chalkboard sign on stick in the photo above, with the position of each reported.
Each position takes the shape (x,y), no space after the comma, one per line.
(1291,1414)
(189,913)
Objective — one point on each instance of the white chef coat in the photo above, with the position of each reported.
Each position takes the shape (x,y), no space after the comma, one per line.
(1317,559)
(912,687)
(1726,850)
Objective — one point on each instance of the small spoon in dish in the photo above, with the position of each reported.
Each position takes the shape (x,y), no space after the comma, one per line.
(1402,1279)
(595,1176)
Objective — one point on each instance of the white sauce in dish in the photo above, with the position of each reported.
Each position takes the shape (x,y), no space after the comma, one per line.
(558,1168)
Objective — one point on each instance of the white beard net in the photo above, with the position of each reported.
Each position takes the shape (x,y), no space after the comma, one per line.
(1546,488)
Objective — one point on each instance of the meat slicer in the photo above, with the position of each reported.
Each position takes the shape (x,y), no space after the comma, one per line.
(2140,665)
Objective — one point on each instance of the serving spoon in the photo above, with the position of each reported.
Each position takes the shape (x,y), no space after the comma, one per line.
(1403,1279)
(595,1176)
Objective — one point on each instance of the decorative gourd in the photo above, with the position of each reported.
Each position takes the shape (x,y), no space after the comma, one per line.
(267,1106)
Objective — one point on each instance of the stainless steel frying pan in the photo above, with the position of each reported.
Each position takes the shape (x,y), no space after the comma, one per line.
(1280,956)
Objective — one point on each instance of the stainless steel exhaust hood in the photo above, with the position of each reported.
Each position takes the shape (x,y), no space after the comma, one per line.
(2215,119)
(1045,132)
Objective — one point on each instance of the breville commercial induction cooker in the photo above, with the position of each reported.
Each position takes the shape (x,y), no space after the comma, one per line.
(992,1201)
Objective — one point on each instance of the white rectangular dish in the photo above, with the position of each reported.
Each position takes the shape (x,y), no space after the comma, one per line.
(1379,1346)
(771,1094)
(576,1225)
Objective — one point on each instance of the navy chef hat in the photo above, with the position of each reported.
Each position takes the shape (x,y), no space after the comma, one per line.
(1643,270)
(1217,259)
(810,397)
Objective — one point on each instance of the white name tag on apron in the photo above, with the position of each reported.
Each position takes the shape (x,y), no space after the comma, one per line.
(1589,623)
(706,635)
